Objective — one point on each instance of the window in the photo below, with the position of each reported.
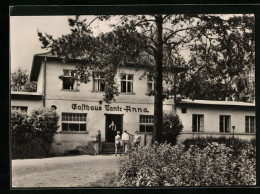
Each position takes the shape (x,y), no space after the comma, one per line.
(74,122)
(150,83)
(127,83)
(146,123)
(250,124)
(98,83)
(183,110)
(224,124)
(20,108)
(69,80)
(197,123)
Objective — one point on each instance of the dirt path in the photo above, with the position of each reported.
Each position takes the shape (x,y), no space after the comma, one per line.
(72,171)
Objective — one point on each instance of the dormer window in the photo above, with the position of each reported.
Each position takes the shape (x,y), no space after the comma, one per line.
(69,80)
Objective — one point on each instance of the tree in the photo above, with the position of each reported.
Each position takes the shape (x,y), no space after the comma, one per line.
(222,61)
(156,40)
(20,81)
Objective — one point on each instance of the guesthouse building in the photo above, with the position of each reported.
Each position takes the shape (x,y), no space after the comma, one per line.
(83,113)
(81,107)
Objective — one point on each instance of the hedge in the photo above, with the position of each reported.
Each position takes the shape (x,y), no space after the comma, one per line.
(32,135)
(235,143)
(166,165)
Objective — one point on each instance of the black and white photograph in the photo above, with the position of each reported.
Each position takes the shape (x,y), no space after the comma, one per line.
(133,100)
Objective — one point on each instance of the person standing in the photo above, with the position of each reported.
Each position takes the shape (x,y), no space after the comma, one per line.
(97,143)
(137,139)
(118,143)
(125,139)
(112,126)
(113,131)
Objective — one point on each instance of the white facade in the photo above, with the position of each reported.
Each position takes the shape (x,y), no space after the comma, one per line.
(217,118)
(28,100)
(127,111)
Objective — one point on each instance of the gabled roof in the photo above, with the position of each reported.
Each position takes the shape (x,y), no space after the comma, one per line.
(36,64)
(215,102)
(38,58)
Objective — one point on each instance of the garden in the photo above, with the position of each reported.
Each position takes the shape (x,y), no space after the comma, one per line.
(207,161)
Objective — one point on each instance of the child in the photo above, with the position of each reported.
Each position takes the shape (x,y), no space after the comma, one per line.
(137,139)
(117,143)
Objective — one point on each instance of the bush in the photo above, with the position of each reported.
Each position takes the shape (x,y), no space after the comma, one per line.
(171,128)
(32,135)
(236,144)
(166,165)
(22,133)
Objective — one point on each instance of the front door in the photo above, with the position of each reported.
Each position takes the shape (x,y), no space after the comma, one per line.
(114,123)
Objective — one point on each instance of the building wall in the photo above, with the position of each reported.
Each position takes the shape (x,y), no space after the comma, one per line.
(30,103)
(85,91)
(67,100)
(40,80)
(211,120)
(76,101)
(96,120)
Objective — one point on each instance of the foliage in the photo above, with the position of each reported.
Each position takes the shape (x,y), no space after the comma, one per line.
(20,81)
(171,128)
(236,144)
(222,61)
(22,134)
(32,135)
(46,125)
(166,165)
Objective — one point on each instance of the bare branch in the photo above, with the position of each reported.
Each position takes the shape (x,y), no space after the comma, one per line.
(180,30)
(92,21)
(166,16)
(154,49)
(143,21)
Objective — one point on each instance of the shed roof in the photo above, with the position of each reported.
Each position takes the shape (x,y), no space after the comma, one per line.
(25,95)
(215,102)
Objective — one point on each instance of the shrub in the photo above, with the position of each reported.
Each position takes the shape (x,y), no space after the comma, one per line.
(32,135)
(166,165)
(22,133)
(201,142)
(46,125)
(171,128)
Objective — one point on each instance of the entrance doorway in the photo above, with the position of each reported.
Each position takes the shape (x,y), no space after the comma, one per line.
(114,123)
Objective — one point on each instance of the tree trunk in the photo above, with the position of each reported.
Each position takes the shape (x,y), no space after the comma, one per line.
(158,100)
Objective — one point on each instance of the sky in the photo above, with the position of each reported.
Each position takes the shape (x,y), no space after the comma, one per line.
(24,42)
